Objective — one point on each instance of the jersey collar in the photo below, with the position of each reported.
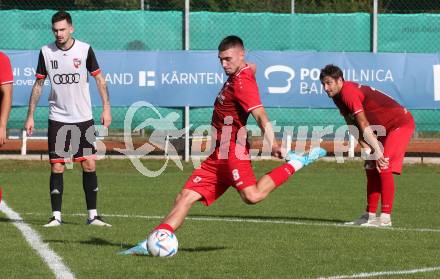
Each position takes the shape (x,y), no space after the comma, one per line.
(68,48)
(241,70)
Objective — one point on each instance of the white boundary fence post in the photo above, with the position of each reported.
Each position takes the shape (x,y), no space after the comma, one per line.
(186,117)
(292,6)
(23,142)
(374,35)
(351,145)
(351,139)
(187,133)
(288,143)
(186,27)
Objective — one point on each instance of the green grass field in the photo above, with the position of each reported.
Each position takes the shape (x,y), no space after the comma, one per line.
(295,233)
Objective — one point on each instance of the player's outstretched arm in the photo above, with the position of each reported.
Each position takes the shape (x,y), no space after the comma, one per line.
(106,116)
(33,101)
(266,127)
(5,109)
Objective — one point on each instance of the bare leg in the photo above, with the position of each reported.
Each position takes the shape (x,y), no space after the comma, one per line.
(183,203)
(88,165)
(275,178)
(57,168)
(256,193)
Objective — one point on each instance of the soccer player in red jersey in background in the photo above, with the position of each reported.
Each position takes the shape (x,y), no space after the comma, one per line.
(6,82)
(229,164)
(364,106)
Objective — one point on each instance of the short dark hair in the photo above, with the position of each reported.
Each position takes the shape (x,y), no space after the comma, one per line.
(230,42)
(61,15)
(331,71)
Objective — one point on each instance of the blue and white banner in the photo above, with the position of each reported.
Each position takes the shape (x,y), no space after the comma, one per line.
(286,79)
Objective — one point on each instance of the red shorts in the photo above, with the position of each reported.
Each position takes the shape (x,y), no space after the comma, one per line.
(215,176)
(395,144)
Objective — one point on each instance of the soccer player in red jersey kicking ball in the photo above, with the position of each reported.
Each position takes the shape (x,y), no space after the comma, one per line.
(230,163)
(67,63)
(363,106)
(6,81)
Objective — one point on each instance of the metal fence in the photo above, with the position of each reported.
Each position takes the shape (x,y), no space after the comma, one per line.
(297,25)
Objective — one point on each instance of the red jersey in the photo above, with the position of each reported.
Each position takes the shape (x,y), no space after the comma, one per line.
(5,70)
(238,97)
(379,108)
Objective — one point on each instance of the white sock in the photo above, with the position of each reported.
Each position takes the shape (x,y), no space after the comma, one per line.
(92,214)
(57,215)
(297,165)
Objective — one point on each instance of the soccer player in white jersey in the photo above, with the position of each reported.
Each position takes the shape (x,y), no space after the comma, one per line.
(71,133)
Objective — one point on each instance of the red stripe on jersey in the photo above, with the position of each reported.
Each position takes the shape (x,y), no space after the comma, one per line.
(96,72)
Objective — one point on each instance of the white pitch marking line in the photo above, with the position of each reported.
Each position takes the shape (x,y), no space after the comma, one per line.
(270,221)
(384,273)
(52,260)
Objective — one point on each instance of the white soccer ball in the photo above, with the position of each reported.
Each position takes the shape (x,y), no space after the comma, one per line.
(162,243)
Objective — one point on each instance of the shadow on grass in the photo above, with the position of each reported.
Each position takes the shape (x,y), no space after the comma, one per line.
(32,222)
(103,242)
(92,241)
(269,218)
(201,249)
(7,220)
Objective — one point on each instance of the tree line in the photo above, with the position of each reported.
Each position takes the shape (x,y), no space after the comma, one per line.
(257,6)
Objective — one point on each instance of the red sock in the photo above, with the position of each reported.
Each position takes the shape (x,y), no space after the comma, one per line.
(280,174)
(387,180)
(373,189)
(164,227)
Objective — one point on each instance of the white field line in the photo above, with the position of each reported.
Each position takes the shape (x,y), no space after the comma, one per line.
(53,261)
(384,273)
(251,220)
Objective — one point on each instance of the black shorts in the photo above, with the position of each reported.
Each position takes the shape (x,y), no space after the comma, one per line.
(67,140)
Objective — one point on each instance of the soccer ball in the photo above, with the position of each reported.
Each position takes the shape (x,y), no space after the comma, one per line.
(162,243)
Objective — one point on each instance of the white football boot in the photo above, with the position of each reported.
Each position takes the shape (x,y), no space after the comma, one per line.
(383,221)
(97,221)
(53,222)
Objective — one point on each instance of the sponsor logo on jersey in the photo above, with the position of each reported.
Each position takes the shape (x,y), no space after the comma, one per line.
(76,62)
(66,78)
(220,97)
